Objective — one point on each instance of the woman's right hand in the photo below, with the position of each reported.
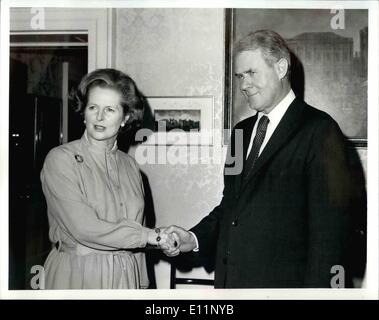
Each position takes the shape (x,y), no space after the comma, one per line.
(165,241)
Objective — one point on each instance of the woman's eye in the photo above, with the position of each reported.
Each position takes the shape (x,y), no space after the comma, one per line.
(90,107)
(111,110)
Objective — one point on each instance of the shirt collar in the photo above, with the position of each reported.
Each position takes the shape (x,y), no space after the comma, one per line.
(280,109)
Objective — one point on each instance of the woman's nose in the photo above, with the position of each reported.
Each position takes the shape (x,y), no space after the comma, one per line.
(100,115)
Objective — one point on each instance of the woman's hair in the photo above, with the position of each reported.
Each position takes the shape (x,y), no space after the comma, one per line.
(272,45)
(132,101)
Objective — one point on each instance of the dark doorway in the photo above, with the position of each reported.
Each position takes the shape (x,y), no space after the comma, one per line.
(41,77)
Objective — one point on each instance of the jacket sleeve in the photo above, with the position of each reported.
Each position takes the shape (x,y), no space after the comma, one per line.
(329,192)
(67,204)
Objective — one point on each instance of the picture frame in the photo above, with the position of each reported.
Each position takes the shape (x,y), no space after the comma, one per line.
(181,120)
(329,67)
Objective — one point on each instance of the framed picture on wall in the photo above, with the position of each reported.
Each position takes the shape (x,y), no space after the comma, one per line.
(329,61)
(181,120)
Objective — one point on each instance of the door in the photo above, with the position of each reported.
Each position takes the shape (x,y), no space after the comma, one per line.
(32,136)
(41,78)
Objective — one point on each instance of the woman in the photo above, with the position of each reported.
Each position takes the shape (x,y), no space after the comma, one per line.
(94,194)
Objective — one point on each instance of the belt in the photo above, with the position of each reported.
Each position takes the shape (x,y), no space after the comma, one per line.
(81,250)
(122,261)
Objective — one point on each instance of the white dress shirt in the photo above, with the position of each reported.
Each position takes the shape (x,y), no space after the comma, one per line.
(274,116)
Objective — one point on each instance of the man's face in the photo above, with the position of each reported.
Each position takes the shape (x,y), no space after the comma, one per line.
(259,82)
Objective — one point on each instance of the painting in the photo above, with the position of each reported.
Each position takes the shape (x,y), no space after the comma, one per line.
(329,68)
(186,120)
(181,120)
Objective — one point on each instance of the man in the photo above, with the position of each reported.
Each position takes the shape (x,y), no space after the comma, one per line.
(284,221)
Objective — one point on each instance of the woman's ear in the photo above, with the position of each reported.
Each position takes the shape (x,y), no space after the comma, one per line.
(281,68)
(127,117)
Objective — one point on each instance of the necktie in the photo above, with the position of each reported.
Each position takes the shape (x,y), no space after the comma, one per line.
(257,143)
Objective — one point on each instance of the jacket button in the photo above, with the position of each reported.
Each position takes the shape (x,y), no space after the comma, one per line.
(235,223)
(225,260)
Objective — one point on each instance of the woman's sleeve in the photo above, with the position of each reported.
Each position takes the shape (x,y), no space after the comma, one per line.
(67,204)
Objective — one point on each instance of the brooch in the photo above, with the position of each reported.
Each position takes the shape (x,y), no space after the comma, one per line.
(79,158)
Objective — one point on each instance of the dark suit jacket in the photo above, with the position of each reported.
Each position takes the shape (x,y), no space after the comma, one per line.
(288,224)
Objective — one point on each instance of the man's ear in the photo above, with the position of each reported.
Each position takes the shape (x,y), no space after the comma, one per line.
(281,68)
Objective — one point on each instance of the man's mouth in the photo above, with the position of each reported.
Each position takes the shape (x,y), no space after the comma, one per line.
(99,128)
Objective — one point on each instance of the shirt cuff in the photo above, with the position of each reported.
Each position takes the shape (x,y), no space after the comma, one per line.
(197,242)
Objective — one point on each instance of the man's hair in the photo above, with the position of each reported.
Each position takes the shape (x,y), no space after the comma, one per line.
(272,45)
(132,101)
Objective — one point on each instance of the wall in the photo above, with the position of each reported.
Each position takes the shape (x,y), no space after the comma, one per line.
(177,52)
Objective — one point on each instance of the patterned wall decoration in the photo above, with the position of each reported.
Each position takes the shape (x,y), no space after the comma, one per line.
(177,52)
(168,53)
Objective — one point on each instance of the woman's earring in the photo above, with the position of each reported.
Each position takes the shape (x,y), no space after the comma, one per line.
(122,124)
(85,121)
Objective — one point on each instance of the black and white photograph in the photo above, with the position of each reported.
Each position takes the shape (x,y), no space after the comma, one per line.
(199,151)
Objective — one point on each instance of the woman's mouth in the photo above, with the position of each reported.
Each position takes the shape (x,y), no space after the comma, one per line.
(99,128)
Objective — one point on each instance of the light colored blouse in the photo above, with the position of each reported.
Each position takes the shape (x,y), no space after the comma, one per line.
(95,205)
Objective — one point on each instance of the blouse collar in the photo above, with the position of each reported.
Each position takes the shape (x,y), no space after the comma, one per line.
(98,147)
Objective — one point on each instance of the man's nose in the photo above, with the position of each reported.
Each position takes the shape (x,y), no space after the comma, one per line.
(245,83)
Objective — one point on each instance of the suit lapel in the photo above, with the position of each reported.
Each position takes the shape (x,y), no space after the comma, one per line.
(286,127)
(247,134)
(247,130)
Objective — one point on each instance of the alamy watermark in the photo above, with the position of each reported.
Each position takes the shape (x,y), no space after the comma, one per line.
(38,280)
(338,20)
(338,280)
(181,147)
(37,20)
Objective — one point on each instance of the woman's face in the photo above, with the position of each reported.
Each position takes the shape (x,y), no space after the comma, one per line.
(104,114)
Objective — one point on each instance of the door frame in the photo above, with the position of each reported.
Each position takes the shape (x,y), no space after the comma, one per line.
(97,22)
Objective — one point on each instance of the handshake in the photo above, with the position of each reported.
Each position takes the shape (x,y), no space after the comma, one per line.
(172,240)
